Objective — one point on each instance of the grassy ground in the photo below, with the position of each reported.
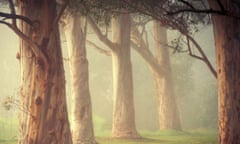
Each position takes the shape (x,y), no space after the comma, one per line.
(8,135)
(160,137)
(166,137)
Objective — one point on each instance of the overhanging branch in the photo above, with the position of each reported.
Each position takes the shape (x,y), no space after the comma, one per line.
(15,16)
(204,57)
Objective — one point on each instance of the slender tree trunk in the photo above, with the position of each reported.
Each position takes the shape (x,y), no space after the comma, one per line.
(227,42)
(167,103)
(82,125)
(43,116)
(123,111)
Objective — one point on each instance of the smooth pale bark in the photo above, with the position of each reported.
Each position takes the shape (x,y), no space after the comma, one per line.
(167,103)
(82,125)
(123,111)
(43,117)
(227,43)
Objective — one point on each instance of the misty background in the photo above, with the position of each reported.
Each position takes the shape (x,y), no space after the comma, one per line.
(195,86)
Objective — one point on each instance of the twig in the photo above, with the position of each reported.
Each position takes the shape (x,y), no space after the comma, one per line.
(187,3)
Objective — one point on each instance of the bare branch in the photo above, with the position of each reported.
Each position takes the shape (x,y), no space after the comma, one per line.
(101,50)
(204,57)
(221,5)
(191,53)
(187,3)
(207,11)
(150,59)
(13,12)
(100,35)
(12,16)
(141,47)
(35,47)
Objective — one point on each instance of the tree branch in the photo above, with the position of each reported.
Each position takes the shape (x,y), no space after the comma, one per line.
(204,57)
(35,47)
(138,44)
(187,3)
(100,35)
(13,12)
(207,11)
(191,53)
(15,16)
(103,51)
(221,5)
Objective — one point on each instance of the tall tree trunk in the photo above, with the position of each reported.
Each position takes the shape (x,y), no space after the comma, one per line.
(227,42)
(82,125)
(43,117)
(167,103)
(123,111)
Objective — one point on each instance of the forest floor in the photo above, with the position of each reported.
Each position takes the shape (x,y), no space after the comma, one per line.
(158,137)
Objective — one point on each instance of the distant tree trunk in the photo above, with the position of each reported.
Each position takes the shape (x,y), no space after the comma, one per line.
(43,117)
(227,42)
(123,111)
(82,125)
(167,103)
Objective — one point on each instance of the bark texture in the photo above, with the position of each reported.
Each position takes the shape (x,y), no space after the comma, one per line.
(82,125)
(43,117)
(227,42)
(123,112)
(167,101)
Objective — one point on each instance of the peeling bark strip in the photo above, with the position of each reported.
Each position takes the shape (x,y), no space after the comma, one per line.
(123,111)
(42,82)
(227,45)
(82,125)
(167,101)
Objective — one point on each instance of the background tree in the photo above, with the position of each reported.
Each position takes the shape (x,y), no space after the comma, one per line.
(75,28)
(168,107)
(225,22)
(123,109)
(160,66)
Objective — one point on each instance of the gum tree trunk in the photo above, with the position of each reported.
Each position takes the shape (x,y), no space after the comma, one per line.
(167,103)
(43,117)
(227,43)
(123,112)
(82,125)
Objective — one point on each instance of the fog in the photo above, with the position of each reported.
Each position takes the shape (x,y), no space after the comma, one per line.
(195,86)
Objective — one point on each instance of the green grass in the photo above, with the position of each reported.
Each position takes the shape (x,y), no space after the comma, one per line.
(158,137)
(164,137)
(8,135)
